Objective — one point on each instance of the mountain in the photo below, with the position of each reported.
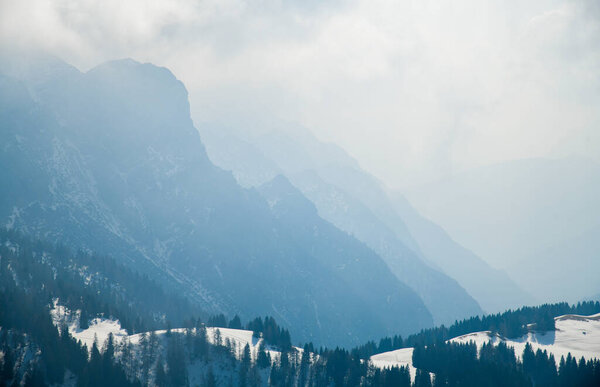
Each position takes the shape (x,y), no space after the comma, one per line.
(442,295)
(109,161)
(568,269)
(493,288)
(341,254)
(420,253)
(523,216)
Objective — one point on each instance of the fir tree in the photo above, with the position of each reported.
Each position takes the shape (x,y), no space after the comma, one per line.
(235,323)
(422,379)
(176,364)
(161,376)
(210,380)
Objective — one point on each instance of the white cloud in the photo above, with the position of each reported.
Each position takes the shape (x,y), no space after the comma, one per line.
(413,89)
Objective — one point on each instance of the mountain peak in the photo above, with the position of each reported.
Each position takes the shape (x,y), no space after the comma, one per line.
(140,95)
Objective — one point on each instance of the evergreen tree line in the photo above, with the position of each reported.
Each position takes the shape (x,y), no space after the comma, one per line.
(271,333)
(163,360)
(240,367)
(509,324)
(461,364)
(267,329)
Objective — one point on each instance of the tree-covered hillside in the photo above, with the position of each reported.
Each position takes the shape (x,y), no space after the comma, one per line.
(37,350)
(510,324)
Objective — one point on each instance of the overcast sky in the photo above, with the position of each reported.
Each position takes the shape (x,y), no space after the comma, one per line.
(413,89)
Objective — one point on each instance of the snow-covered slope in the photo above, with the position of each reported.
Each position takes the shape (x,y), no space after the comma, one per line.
(398,358)
(100,328)
(575,334)
(235,339)
(579,335)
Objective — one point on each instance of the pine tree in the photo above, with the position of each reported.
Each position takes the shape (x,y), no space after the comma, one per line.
(254,379)
(95,353)
(8,364)
(528,360)
(161,377)
(84,319)
(246,356)
(217,321)
(262,359)
(127,357)
(109,348)
(210,380)
(235,323)
(422,379)
(200,344)
(304,366)
(176,364)
(217,338)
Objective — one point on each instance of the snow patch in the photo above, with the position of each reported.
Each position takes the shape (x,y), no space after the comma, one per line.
(398,358)
(99,330)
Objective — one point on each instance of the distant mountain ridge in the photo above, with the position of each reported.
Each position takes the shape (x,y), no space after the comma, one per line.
(538,219)
(355,202)
(351,260)
(493,288)
(110,161)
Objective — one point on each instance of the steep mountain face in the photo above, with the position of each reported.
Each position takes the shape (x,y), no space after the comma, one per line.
(445,298)
(344,195)
(110,161)
(344,256)
(526,217)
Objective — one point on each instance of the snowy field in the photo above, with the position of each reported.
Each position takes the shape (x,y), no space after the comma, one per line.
(100,328)
(578,335)
(399,357)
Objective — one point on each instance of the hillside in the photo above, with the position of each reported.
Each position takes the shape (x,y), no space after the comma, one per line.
(574,334)
(48,336)
(574,337)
